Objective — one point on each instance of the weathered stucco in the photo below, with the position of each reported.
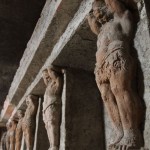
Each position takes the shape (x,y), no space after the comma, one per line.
(83,112)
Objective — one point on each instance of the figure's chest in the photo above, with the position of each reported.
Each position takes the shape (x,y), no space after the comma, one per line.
(51,87)
(110,28)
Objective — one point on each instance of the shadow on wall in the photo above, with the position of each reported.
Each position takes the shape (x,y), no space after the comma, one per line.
(147,5)
(84,117)
(138,83)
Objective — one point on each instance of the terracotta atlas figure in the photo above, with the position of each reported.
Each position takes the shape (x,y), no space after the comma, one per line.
(3,141)
(53,79)
(29,121)
(19,131)
(113,22)
(12,132)
(8,126)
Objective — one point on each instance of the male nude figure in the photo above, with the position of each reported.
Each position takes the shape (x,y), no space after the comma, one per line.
(8,126)
(29,121)
(19,131)
(3,141)
(12,133)
(116,69)
(53,80)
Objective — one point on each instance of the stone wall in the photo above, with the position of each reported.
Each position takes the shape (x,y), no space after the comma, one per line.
(83,113)
(142,44)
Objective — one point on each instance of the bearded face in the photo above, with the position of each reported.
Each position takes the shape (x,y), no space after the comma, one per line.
(100,12)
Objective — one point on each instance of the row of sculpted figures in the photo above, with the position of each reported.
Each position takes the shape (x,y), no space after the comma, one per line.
(22,125)
(114,22)
(25,123)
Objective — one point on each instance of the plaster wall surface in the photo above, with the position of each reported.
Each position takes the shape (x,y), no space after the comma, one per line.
(142,44)
(83,112)
(41,139)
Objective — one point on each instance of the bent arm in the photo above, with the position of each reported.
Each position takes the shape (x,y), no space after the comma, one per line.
(94,24)
(116,6)
(127,24)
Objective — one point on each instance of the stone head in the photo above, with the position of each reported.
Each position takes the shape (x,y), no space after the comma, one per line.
(100,11)
(45,76)
(110,5)
(31,100)
(96,8)
(54,72)
(20,114)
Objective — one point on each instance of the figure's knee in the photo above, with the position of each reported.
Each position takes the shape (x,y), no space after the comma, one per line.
(120,89)
(104,92)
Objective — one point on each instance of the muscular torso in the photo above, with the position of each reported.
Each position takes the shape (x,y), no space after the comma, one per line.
(19,130)
(111,33)
(29,118)
(52,94)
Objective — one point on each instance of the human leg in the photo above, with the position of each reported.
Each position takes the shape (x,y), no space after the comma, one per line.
(121,87)
(46,119)
(54,126)
(112,109)
(28,138)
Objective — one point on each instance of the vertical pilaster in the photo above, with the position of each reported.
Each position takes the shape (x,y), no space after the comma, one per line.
(23,145)
(82,118)
(41,139)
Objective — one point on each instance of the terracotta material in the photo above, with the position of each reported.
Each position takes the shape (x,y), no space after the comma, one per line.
(29,121)
(19,131)
(113,22)
(53,79)
(10,136)
(8,126)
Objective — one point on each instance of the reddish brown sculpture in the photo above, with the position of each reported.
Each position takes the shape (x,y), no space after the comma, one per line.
(19,131)
(3,141)
(8,126)
(29,121)
(10,135)
(116,69)
(53,79)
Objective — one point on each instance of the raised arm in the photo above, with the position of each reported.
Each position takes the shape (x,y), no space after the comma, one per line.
(116,6)
(121,8)
(94,24)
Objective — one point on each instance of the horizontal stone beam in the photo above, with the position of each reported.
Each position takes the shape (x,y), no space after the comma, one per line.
(34,86)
